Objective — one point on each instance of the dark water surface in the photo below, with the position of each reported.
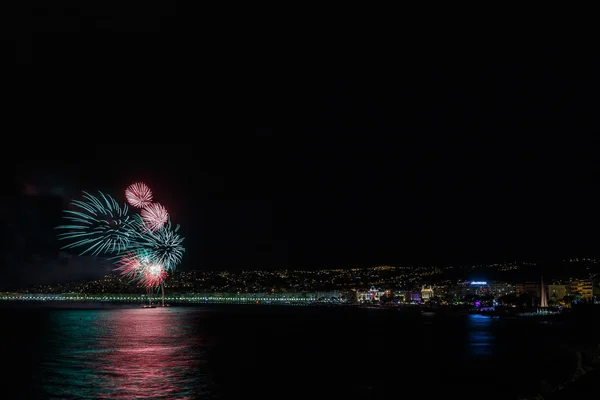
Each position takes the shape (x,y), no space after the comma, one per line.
(272,352)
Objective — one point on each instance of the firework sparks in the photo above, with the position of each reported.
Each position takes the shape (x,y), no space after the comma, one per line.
(153,275)
(138,195)
(100,224)
(164,246)
(139,267)
(155,216)
(144,243)
(132,264)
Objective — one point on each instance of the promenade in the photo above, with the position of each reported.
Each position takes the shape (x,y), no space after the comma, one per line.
(204,298)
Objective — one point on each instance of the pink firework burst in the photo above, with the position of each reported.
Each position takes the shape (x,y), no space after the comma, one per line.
(138,195)
(141,269)
(154,216)
(130,266)
(153,275)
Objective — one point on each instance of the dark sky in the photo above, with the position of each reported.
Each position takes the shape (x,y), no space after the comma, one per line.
(334,154)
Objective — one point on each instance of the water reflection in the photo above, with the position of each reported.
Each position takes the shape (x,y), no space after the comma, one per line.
(480,340)
(127,354)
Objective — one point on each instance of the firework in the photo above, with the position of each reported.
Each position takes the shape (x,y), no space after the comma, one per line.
(163,245)
(139,267)
(153,275)
(100,224)
(131,264)
(155,216)
(144,244)
(138,195)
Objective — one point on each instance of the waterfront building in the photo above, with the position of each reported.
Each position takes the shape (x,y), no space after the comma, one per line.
(499,289)
(584,288)
(483,288)
(412,297)
(463,289)
(426,293)
(557,292)
(373,294)
(532,289)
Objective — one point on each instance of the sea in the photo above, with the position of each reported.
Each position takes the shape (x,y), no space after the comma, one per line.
(275,352)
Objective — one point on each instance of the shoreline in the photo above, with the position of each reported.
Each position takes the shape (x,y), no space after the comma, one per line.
(156,303)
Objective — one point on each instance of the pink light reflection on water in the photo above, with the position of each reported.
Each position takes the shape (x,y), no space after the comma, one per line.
(133,354)
(147,357)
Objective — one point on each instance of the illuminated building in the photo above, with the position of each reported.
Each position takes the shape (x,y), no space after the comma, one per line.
(532,289)
(483,288)
(584,288)
(472,288)
(412,297)
(400,293)
(499,289)
(426,293)
(372,294)
(557,292)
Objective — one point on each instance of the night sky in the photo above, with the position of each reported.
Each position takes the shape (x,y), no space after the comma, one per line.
(291,157)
